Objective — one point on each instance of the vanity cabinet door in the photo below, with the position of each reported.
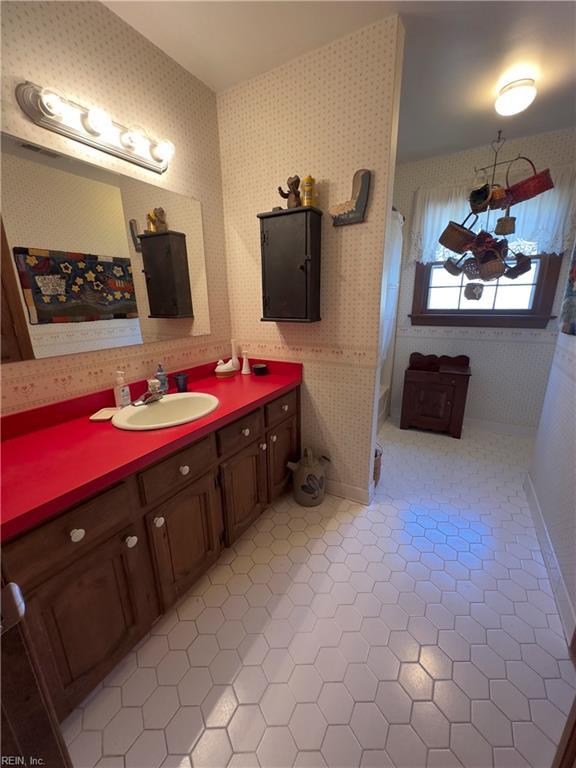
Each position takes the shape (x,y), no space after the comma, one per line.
(85,618)
(243,479)
(282,442)
(186,533)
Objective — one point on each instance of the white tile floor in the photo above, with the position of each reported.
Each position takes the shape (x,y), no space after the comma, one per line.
(418,632)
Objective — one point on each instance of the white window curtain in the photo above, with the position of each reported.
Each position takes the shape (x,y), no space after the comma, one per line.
(544,224)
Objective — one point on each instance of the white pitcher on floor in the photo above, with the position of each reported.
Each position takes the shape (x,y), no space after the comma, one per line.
(308,480)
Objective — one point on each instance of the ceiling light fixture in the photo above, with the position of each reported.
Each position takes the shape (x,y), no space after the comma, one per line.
(515,97)
(93,126)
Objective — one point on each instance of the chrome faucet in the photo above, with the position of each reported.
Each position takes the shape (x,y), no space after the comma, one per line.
(152,395)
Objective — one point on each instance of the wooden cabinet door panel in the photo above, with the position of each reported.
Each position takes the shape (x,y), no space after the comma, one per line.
(185,533)
(285,283)
(86,617)
(243,480)
(429,405)
(282,442)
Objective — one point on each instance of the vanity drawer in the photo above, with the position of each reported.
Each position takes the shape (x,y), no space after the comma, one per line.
(240,434)
(284,406)
(47,549)
(176,471)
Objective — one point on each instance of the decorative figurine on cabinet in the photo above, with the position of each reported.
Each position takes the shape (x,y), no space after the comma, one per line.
(293,194)
(156,220)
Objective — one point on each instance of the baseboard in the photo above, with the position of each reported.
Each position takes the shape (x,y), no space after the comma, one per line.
(350,492)
(500,428)
(566,608)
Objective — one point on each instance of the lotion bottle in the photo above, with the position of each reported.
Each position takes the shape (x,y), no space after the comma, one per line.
(122,395)
(162,378)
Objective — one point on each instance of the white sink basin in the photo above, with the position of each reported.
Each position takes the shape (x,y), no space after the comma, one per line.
(170,411)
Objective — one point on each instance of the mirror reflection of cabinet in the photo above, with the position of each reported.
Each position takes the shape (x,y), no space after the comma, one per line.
(15,344)
(68,210)
(166,271)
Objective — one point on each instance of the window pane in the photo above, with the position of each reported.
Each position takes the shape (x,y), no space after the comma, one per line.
(514,297)
(528,277)
(443,298)
(439,277)
(485,302)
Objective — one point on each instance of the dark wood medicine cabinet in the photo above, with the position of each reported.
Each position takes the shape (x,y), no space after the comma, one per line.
(165,262)
(290,243)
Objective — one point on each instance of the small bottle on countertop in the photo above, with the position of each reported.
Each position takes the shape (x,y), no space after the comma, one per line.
(245,364)
(234,359)
(162,378)
(122,395)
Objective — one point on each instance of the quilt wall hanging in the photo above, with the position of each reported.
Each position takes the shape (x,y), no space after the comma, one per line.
(63,287)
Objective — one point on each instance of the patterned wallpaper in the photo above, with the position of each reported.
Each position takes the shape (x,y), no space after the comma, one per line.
(553,477)
(116,68)
(327,113)
(505,362)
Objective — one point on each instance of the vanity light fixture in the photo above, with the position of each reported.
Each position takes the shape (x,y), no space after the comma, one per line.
(93,126)
(515,97)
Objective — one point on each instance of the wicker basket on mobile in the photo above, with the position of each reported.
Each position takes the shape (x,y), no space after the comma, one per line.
(453,267)
(523,265)
(471,269)
(492,269)
(528,188)
(456,237)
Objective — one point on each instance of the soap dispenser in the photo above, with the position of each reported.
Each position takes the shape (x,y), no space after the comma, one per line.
(122,395)
(162,378)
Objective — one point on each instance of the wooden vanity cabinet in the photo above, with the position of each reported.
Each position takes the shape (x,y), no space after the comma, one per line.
(243,479)
(84,618)
(96,577)
(186,535)
(282,441)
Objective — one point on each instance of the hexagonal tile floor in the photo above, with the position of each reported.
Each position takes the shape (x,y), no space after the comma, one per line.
(417,632)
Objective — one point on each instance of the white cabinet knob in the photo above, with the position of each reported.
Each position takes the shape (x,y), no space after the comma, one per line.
(131,541)
(246,432)
(263,446)
(184,469)
(77,534)
(159,521)
(285,407)
(273,438)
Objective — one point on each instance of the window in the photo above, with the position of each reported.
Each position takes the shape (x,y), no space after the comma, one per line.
(522,303)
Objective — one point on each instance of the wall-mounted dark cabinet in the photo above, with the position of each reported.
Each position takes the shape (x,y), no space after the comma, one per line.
(291,242)
(167,277)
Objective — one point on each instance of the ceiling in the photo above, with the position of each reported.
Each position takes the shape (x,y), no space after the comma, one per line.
(455,53)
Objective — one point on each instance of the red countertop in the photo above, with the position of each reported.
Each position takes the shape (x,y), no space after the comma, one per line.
(54,457)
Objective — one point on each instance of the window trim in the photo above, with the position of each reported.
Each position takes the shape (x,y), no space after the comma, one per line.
(537,317)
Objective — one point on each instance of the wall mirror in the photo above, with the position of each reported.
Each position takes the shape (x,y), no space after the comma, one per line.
(72,277)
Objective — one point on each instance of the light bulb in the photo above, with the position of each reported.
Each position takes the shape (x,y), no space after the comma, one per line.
(132,140)
(97,121)
(50,103)
(515,97)
(162,151)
